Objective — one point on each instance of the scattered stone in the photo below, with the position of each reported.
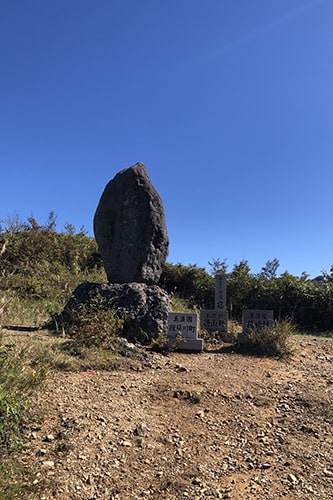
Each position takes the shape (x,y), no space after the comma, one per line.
(126,443)
(48,464)
(200,414)
(180,368)
(293,479)
(266,465)
(41,452)
(65,447)
(141,430)
(49,438)
(61,435)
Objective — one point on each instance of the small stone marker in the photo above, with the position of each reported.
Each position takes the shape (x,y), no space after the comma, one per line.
(184,324)
(183,331)
(214,320)
(255,318)
(220,291)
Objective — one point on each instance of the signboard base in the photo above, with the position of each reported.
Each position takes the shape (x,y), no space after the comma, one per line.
(187,345)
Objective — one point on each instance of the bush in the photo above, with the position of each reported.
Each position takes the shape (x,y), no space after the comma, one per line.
(93,324)
(41,266)
(189,282)
(272,341)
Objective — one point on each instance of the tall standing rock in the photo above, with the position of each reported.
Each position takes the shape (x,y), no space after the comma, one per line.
(130,229)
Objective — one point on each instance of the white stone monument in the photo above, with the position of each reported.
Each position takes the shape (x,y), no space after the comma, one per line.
(183,332)
(214,321)
(255,318)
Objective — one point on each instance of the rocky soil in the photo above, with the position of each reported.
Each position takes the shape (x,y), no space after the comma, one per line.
(189,426)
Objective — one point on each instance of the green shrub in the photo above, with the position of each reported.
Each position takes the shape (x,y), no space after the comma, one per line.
(19,376)
(40,268)
(189,282)
(272,341)
(93,324)
(180,304)
(21,371)
(12,411)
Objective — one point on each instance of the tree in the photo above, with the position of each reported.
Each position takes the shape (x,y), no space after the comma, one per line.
(269,270)
(218,266)
(240,289)
(190,282)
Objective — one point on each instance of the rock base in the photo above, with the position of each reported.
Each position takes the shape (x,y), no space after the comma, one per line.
(144,308)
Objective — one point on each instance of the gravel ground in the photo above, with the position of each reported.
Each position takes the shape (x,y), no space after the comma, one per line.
(189,426)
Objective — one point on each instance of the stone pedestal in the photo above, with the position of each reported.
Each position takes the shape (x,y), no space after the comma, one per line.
(144,308)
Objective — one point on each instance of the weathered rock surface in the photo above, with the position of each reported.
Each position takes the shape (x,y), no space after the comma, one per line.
(130,229)
(144,308)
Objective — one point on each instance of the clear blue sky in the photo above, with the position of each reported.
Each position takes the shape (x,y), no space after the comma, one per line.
(228,103)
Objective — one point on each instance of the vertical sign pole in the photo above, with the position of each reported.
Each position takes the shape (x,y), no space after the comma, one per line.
(220,291)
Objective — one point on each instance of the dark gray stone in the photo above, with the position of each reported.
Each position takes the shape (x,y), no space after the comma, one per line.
(144,308)
(130,229)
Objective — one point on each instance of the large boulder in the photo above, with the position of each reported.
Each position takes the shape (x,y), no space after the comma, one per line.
(144,308)
(130,229)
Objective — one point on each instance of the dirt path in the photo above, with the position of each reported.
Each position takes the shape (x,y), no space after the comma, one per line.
(213,425)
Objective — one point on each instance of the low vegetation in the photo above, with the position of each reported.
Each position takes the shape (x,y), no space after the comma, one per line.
(19,375)
(21,371)
(40,267)
(272,340)
(93,324)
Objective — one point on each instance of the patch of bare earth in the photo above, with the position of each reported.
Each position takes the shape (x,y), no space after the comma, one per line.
(189,426)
